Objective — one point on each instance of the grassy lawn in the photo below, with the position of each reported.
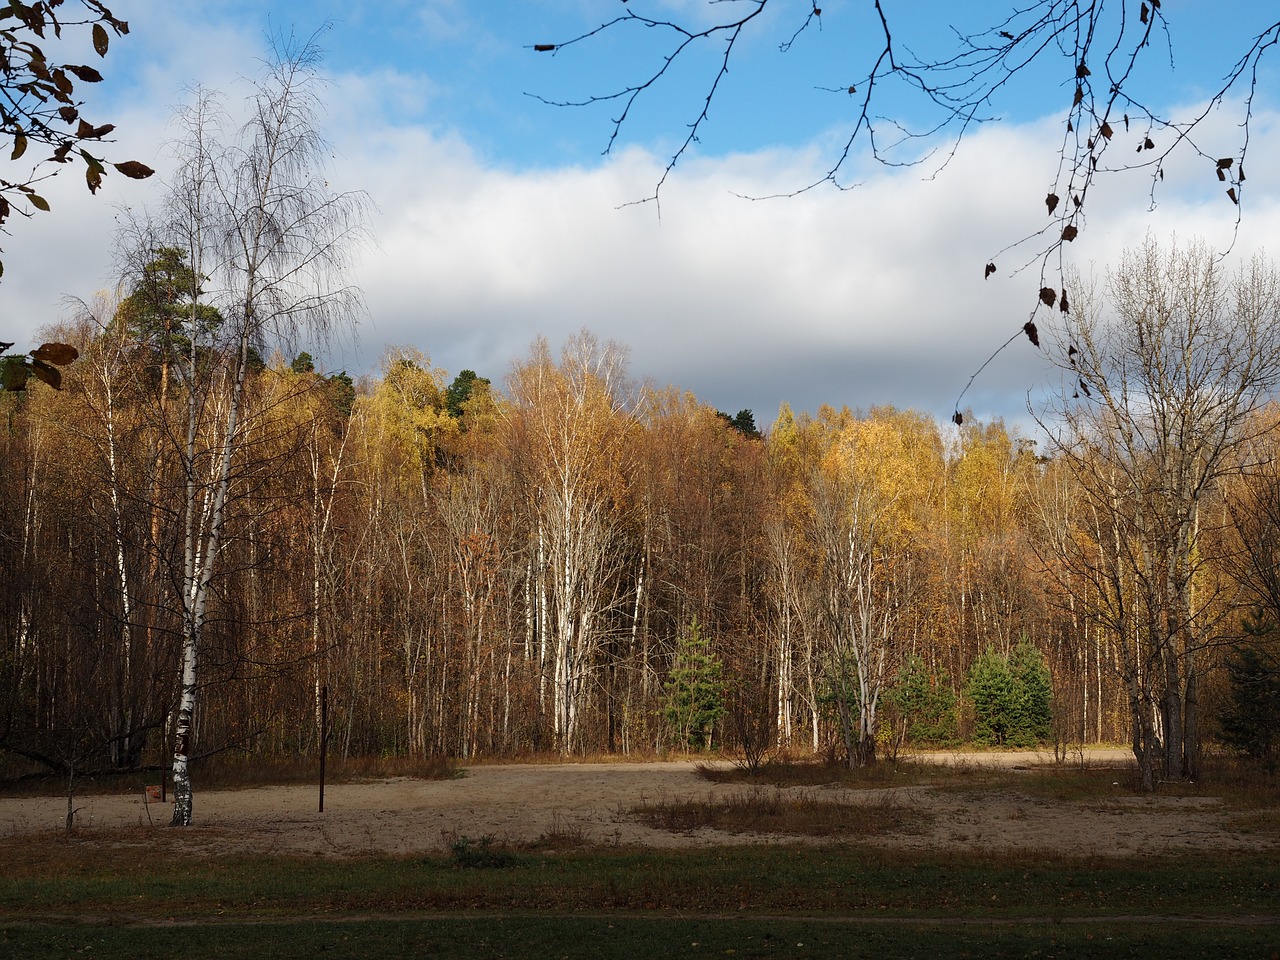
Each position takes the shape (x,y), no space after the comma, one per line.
(62,897)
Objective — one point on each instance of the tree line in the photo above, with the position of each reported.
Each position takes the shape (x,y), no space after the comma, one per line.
(566,561)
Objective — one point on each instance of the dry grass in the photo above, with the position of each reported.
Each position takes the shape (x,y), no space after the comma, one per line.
(559,835)
(238,771)
(772,811)
(790,772)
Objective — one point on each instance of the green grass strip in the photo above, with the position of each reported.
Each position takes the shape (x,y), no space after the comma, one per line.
(847,881)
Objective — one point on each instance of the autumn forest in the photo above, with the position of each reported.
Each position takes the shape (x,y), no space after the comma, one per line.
(568,560)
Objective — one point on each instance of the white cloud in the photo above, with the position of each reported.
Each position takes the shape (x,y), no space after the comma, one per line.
(874,295)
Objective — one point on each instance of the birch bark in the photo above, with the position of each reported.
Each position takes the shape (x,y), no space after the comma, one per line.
(271,245)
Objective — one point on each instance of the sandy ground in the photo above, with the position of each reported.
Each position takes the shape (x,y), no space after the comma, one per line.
(519,804)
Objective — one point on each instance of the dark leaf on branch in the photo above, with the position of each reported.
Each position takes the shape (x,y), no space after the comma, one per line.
(1085,387)
(1126,123)
(1225,163)
(100,39)
(50,375)
(1143,13)
(19,146)
(1032,333)
(56,353)
(1240,174)
(1081,72)
(1147,144)
(39,202)
(1048,296)
(1006,34)
(1222,174)
(68,114)
(1075,101)
(64,85)
(1106,130)
(86,131)
(85,74)
(544,47)
(134,170)
(957,418)
(990,269)
(853,90)
(1069,232)
(1051,201)
(1231,192)
(1062,304)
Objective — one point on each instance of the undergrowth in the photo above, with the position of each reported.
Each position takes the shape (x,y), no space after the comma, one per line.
(772,811)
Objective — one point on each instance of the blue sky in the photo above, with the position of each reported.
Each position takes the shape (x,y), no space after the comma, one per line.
(499,219)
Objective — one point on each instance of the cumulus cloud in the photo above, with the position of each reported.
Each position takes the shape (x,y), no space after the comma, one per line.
(874,295)
(869,296)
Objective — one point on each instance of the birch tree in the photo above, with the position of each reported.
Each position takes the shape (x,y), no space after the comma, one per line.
(271,245)
(863,493)
(568,428)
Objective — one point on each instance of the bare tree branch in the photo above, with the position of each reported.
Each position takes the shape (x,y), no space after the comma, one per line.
(1103,51)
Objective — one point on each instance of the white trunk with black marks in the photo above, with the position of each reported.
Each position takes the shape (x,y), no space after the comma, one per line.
(258,224)
(122,705)
(206,514)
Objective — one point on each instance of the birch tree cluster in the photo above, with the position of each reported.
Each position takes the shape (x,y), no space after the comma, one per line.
(480,565)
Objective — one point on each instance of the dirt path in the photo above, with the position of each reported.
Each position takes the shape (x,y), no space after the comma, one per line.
(520,803)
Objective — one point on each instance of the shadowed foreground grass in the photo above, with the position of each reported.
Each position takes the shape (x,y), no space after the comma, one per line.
(103,898)
(636,938)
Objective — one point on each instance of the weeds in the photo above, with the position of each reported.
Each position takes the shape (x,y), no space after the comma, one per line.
(771,811)
(787,772)
(479,854)
(560,835)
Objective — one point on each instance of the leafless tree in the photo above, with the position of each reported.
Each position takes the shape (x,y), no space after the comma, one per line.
(1164,375)
(269,244)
